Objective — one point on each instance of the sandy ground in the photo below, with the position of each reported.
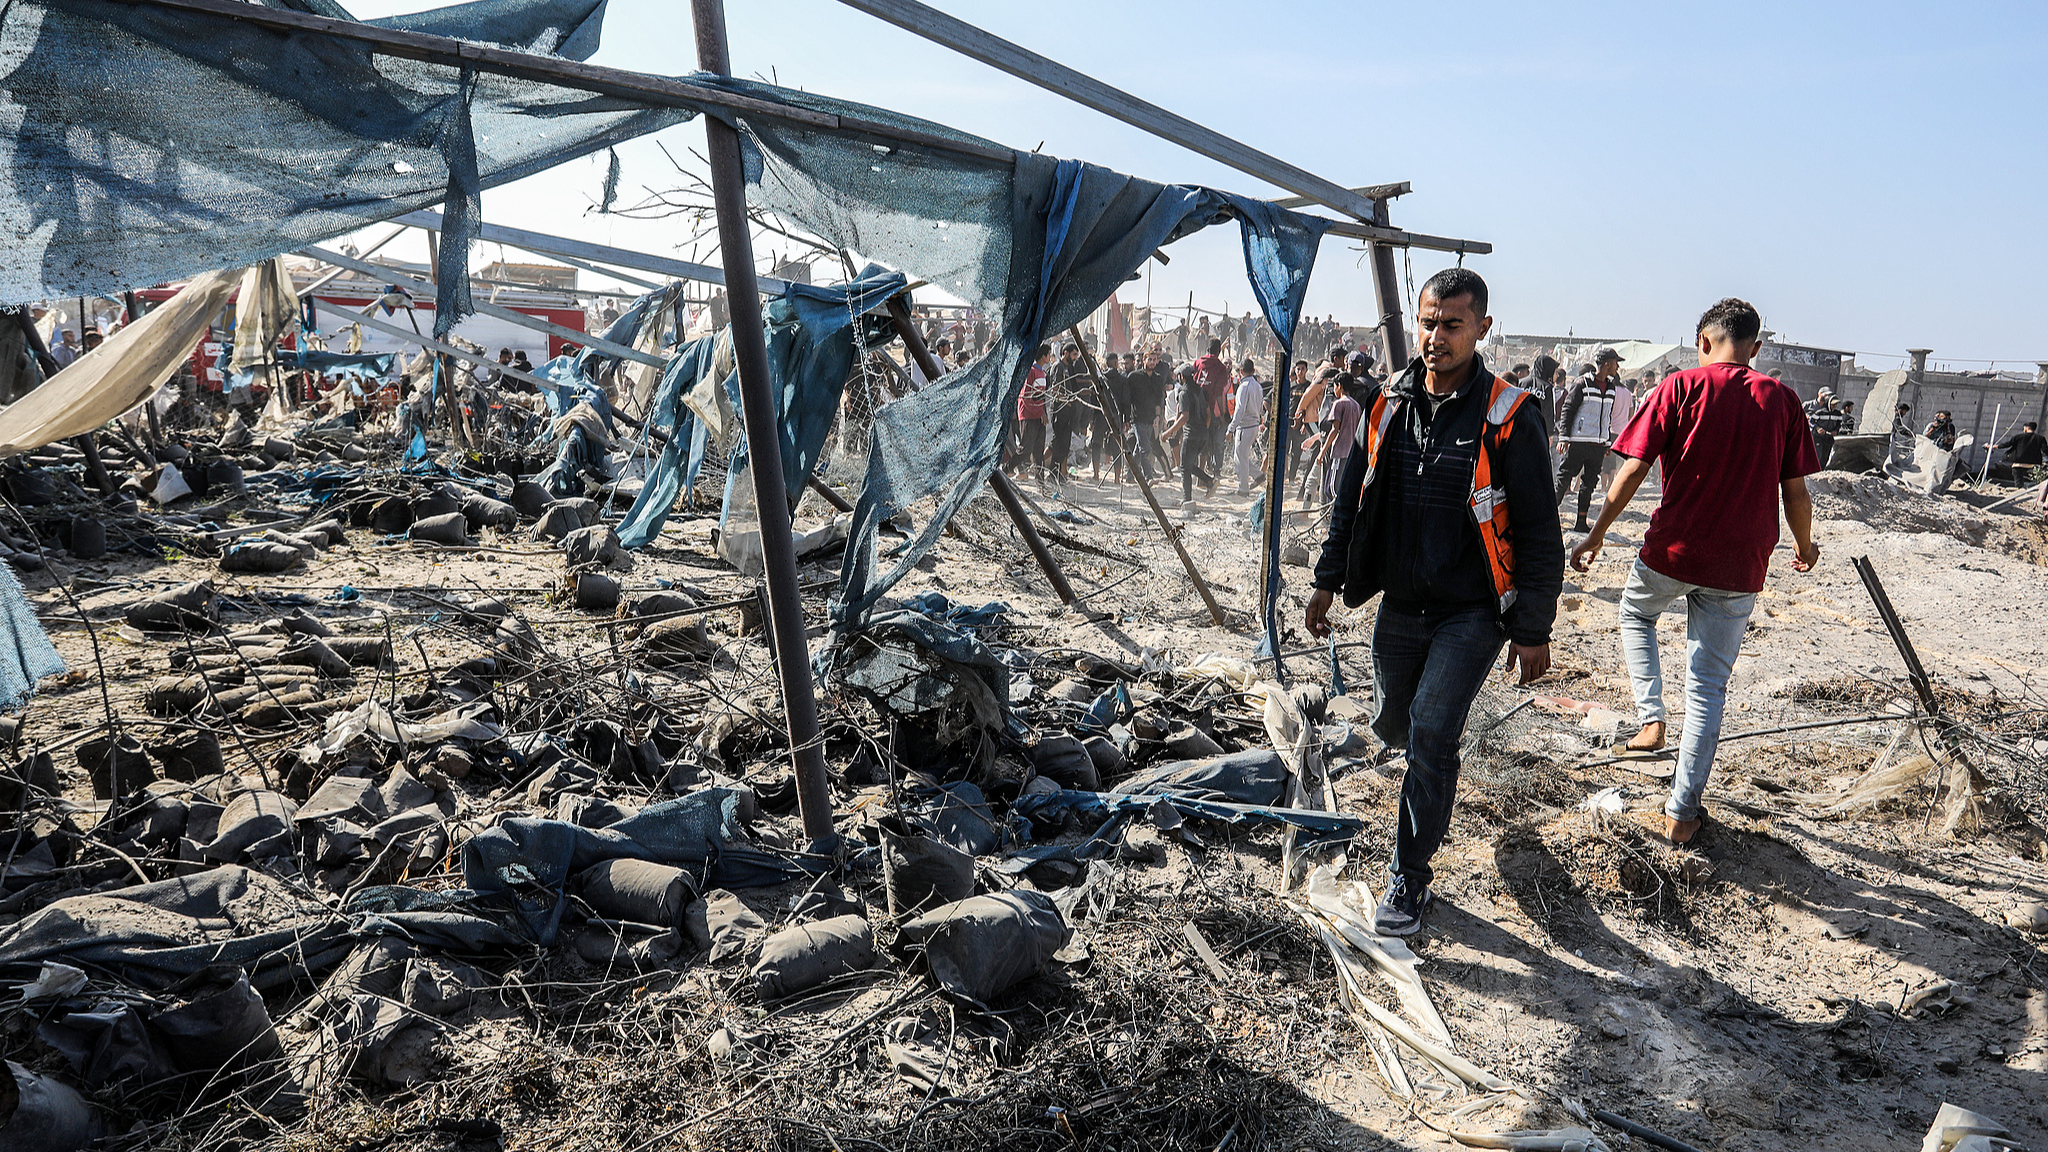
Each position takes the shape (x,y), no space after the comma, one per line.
(1744,996)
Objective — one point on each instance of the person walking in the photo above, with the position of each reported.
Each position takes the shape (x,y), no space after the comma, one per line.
(1247,423)
(1733,444)
(1445,510)
(1031,416)
(1593,411)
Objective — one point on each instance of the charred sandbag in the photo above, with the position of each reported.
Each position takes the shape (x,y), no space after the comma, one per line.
(638,890)
(555,523)
(978,948)
(186,608)
(1065,761)
(447,528)
(391,515)
(919,871)
(260,556)
(361,651)
(117,765)
(803,956)
(530,499)
(189,756)
(43,1115)
(482,511)
(596,545)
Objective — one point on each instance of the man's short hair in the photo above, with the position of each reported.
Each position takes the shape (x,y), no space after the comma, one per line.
(1737,320)
(1452,283)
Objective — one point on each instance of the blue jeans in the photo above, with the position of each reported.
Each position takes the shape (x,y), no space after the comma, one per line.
(1427,667)
(1714,623)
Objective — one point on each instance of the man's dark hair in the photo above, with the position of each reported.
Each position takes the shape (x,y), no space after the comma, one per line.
(1215,343)
(1452,283)
(1736,319)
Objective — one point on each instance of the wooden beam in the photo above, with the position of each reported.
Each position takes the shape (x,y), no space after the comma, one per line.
(484,307)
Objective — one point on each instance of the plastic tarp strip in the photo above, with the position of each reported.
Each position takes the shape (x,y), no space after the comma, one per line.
(120,373)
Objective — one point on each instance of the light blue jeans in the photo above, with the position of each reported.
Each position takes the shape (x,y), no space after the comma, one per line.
(1714,623)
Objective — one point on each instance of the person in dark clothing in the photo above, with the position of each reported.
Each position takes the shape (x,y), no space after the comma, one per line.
(1542,385)
(1444,509)
(1942,431)
(2024,450)
(1192,426)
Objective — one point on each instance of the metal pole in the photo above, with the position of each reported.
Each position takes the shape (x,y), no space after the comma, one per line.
(1388,284)
(906,327)
(1276,497)
(764,437)
(1108,405)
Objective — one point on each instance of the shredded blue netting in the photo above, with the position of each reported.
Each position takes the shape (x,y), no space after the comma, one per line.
(147,145)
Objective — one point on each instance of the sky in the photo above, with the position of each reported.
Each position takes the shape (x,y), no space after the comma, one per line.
(1867,174)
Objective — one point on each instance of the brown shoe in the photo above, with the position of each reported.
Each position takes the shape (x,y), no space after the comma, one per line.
(1680,832)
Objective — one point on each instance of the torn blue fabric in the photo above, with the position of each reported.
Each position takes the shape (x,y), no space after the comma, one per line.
(668,415)
(259,143)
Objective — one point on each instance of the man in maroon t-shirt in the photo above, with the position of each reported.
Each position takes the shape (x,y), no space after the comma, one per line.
(1732,442)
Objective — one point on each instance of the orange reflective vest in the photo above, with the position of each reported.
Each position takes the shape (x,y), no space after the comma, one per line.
(1489,501)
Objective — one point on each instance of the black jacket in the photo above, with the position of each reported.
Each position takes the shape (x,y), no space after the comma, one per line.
(1412,536)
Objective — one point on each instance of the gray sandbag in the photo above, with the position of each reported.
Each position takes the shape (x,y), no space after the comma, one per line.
(447,528)
(555,523)
(44,1115)
(803,956)
(919,871)
(638,890)
(1257,776)
(259,556)
(588,512)
(980,947)
(1065,761)
(596,545)
(254,820)
(720,923)
(187,608)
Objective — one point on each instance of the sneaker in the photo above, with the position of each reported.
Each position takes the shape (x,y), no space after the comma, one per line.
(1400,914)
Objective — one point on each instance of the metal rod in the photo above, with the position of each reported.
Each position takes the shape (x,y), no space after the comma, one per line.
(764,437)
(1109,406)
(1006,492)
(1276,498)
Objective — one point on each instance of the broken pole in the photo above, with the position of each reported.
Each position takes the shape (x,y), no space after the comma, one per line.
(1145,486)
(1006,492)
(764,437)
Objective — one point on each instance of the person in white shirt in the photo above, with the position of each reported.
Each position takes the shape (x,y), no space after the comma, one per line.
(1591,413)
(1246,421)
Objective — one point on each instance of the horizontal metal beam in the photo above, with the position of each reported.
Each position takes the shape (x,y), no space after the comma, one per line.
(486,308)
(429,342)
(566,248)
(1053,76)
(639,87)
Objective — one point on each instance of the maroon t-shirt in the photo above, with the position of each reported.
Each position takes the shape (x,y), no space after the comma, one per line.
(1728,437)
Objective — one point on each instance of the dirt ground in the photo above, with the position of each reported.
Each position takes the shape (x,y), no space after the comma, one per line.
(1762,991)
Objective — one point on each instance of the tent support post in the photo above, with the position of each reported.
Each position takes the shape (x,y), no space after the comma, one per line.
(764,437)
(1006,492)
(1116,414)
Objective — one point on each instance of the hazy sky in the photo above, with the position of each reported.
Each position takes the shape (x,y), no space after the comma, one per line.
(1867,174)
